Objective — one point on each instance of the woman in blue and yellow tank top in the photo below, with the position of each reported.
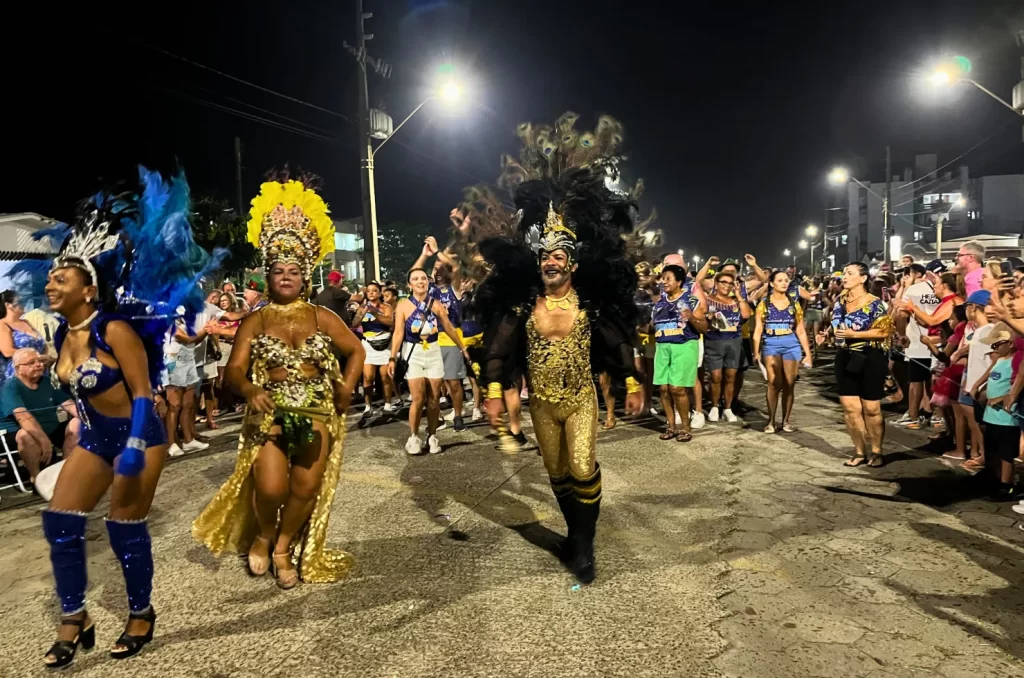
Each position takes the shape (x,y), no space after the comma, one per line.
(375,319)
(780,339)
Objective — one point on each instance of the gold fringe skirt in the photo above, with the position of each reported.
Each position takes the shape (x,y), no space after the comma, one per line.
(228,523)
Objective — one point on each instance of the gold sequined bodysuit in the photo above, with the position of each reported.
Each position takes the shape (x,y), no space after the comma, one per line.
(563,401)
(228,523)
(559,368)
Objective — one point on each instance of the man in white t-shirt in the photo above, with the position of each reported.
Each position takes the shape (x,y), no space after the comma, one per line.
(919,358)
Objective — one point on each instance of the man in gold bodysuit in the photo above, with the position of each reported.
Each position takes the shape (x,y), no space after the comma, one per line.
(561,334)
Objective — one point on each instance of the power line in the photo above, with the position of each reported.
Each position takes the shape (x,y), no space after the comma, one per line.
(304,103)
(250,84)
(969,150)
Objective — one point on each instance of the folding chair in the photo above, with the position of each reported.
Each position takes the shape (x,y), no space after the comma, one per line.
(13,463)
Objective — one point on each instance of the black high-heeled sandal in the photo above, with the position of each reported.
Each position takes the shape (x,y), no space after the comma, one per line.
(134,644)
(64,651)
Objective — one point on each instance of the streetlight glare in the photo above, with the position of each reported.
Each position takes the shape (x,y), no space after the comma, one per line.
(811,231)
(451,92)
(838,176)
(802,244)
(786,253)
(941,77)
(680,253)
(961,203)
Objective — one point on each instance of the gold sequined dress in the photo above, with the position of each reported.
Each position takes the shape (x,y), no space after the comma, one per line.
(228,523)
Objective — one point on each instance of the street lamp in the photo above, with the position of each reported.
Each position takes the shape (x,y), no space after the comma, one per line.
(811,231)
(839,176)
(956,70)
(959,202)
(450,92)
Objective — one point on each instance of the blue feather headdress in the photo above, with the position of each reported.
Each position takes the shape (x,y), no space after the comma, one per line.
(137,247)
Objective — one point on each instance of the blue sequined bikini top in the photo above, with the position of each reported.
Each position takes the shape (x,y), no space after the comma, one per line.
(92,376)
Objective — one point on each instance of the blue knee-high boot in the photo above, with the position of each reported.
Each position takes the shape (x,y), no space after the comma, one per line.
(66,534)
(129,539)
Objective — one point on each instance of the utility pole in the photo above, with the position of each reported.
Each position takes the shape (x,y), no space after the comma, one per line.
(371,254)
(238,177)
(885,207)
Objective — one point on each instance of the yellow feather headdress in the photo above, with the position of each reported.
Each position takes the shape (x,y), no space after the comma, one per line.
(288,223)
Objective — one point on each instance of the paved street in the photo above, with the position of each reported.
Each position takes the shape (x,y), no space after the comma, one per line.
(738,554)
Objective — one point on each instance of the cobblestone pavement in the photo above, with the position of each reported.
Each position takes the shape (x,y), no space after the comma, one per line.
(738,554)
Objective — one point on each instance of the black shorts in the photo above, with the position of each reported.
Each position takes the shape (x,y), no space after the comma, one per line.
(869,382)
(1002,442)
(748,354)
(919,370)
(56,436)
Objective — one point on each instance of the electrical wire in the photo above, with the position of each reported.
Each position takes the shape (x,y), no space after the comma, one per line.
(310,105)
(246,82)
(969,150)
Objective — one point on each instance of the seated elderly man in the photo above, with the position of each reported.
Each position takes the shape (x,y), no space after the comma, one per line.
(28,407)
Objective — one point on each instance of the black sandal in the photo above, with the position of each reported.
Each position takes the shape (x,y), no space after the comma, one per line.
(669,434)
(684,437)
(876,460)
(64,651)
(134,644)
(855,461)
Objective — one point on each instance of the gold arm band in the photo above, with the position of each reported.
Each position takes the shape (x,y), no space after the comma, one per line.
(494,390)
(632,385)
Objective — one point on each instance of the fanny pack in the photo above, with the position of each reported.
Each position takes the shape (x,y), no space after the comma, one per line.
(379,343)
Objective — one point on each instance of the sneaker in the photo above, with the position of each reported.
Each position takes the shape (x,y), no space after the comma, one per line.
(194,446)
(450,417)
(713,414)
(654,412)
(441,425)
(922,422)
(459,425)
(367,410)
(443,402)
(477,414)
(396,402)
(729,416)
(389,408)
(175,451)
(1018,508)
(413,445)
(903,421)
(434,445)
(697,421)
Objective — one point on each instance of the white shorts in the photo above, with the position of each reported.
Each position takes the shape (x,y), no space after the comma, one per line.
(425,363)
(374,357)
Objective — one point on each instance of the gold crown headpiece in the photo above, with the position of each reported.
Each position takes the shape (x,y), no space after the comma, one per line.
(288,223)
(557,234)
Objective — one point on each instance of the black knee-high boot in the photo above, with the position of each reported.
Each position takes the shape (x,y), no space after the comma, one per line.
(563,489)
(587,507)
(129,539)
(66,534)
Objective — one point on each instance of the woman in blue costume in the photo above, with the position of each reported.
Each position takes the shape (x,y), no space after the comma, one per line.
(15,333)
(109,347)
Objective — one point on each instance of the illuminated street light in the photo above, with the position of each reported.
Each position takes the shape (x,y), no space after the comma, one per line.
(959,203)
(838,176)
(956,70)
(680,252)
(811,231)
(785,253)
(802,244)
(450,92)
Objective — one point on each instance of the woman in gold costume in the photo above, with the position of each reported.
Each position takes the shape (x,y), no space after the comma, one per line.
(277,502)
(558,301)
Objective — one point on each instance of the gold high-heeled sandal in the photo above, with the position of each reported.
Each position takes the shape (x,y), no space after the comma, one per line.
(286,579)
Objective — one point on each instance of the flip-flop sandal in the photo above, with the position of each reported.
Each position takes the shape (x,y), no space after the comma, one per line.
(669,434)
(769,429)
(955,457)
(684,437)
(854,462)
(609,425)
(788,428)
(876,461)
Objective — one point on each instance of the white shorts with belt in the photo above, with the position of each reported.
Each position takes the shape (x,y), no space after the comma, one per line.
(425,363)
(375,357)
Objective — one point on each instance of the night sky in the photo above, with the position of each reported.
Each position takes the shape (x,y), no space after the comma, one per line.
(734,111)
